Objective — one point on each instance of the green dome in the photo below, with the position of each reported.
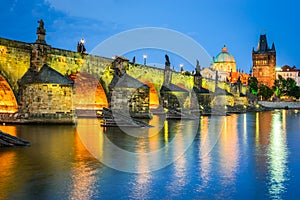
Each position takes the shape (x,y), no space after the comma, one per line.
(224,56)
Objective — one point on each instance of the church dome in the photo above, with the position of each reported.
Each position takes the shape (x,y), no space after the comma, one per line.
(224,56)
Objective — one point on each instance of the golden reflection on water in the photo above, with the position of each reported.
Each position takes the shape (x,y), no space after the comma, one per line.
(257,129)
(272,152)
(91,135)
(204,152)
(82,174)
(277,153)
(154,133)
(262,142)
(141,186)
(166,132)
(7,160)
(179,180)
(229,149)
(7,165)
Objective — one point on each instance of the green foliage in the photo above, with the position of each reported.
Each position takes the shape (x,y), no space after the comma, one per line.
(295,92)
(265,92)
(253,84)
(285,87)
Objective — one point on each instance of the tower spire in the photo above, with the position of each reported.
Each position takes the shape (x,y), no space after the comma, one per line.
(273,47)
(262,44)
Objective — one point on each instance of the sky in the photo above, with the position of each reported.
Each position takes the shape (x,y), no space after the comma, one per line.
(212,24)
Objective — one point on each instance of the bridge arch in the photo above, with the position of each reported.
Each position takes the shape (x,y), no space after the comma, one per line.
(8,101)
(89,93)
(154,98)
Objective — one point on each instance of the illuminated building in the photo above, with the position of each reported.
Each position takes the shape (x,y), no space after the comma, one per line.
(264,62)
(289,72)
(225,64)
(224,61)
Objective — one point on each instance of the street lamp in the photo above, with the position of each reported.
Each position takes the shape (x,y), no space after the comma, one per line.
(181,67)
(145,58)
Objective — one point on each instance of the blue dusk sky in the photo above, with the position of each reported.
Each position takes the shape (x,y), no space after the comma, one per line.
(213,24)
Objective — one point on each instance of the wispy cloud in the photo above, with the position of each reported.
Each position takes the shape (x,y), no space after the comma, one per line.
(13,5)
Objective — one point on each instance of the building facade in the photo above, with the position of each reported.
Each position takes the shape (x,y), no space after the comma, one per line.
(289,72)
(264,62)
(224,61)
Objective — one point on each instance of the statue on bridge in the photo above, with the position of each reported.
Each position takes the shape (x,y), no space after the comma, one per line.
(41,32)
(167,63)
(81,47)
(198,68)
(41,29)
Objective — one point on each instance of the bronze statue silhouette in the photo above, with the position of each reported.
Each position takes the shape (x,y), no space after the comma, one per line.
(80,46)
(41,29)
(167,60)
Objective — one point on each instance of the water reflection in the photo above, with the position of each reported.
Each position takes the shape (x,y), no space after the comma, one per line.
(178,180)
(231,157)
(121,151)
(245,128)
(277,152)
(229,149)
(7,160)
(204,155)
(83,171)
(262,142)
(272,152)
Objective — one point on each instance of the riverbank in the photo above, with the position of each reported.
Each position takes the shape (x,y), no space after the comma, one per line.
(280,104)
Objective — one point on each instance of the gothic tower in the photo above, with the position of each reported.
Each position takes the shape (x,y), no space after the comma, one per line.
(264,62)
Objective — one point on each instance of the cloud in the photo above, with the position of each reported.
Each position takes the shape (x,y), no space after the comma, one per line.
(13,5)
(135,13)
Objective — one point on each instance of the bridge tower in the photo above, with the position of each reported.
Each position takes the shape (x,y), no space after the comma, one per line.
(264,62)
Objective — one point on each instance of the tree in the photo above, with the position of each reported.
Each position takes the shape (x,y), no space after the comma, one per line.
(253,85)
(290,86)
(285,87)
(295,92)
(265,92)
(279,86)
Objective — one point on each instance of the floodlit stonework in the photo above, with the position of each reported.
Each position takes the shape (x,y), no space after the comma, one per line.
(264,62)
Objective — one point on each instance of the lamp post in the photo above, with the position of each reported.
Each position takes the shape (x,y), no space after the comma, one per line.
(145,58)
(181,67)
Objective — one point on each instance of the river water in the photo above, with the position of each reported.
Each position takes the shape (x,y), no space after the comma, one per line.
(250,156)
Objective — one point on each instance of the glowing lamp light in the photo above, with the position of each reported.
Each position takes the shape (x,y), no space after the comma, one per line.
(145,58)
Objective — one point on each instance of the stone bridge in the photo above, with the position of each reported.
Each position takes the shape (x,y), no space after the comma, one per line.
(16,58)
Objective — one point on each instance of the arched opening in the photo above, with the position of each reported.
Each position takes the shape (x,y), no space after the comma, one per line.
(89,93)
(8,101)
(154,99)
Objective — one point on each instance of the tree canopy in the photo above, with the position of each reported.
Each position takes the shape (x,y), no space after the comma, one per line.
(286,87)
(282,87)
(253,85)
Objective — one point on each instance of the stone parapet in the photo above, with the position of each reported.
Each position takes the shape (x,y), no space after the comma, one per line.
(280,105)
